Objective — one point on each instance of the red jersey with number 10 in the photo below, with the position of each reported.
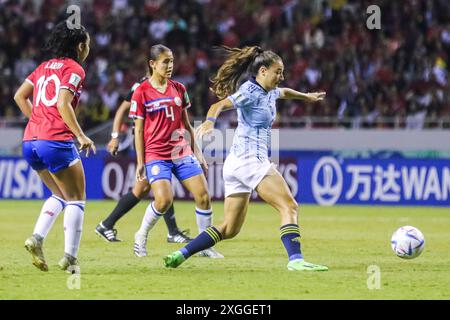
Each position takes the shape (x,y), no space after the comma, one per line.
(46,122)
(164,130)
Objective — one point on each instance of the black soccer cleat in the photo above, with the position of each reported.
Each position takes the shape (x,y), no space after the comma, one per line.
(179,237)
(109,235)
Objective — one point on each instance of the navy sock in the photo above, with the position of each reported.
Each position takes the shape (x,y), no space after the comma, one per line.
(290,236)
(171,222)
(204,240)
(125,204)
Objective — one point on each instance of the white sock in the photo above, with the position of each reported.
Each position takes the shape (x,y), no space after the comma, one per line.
(151,217)
(204,219)
(73,226)
(50,210)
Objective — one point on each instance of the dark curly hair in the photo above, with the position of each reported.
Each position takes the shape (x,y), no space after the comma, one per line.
(62,42)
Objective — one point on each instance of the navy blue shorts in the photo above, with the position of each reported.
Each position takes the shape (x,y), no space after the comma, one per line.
(50,155)
(183,169)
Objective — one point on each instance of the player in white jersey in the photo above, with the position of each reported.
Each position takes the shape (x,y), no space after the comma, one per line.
(247,167)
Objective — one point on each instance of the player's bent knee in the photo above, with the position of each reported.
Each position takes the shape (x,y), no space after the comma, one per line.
(140,191)
(203,201)
(162,205)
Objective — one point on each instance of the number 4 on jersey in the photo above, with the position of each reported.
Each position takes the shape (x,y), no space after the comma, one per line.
(170,114)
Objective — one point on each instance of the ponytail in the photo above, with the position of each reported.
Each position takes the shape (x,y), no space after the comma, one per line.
(238,62)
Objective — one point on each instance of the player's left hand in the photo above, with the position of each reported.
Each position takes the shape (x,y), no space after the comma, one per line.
(86,144)
(113,146)
(140,173)
(316,96)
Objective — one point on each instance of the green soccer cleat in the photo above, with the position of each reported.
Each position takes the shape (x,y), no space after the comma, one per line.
(34,246)
(174,260)
(302,265)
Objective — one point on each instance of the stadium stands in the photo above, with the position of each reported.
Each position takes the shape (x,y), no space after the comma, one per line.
(396,77)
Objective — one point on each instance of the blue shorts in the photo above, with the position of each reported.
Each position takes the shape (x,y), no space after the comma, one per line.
(183,169)
(50,155)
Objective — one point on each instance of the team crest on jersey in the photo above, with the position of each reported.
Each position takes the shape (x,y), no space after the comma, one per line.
(177,101)
(75,79)
(155,170)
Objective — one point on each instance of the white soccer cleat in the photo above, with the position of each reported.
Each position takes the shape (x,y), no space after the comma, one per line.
(210,253)
(34,247)
(140,245)
(69,264)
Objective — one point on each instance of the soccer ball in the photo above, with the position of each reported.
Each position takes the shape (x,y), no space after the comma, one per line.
(408,242)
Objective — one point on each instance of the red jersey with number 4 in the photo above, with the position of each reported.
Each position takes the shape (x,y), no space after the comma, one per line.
(164,130)
(46,122)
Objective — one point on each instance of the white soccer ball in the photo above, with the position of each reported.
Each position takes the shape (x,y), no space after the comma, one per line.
(408,242)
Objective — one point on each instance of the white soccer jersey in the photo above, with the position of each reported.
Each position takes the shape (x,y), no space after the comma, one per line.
(256,110)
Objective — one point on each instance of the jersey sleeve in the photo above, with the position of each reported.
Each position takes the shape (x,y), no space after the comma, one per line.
(186,102)
(137,108)
(72,78)
(31,79)
(240,99)
(130,93)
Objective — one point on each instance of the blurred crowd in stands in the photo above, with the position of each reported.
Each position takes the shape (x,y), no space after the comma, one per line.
(397,76)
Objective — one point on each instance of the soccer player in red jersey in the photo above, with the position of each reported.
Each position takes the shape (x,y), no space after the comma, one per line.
(165,144)
(48,146)
(105,228)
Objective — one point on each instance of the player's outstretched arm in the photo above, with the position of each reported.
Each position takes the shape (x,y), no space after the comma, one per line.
(22,96)
(113,144)
(214,111)
(287,93)
(68,115)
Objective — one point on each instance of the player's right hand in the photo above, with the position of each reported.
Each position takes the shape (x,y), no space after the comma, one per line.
(140,172)
(113,146)
(204,129)
(86,144)
(315,96)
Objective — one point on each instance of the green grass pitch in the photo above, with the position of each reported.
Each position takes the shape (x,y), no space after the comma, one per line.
(348,239)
